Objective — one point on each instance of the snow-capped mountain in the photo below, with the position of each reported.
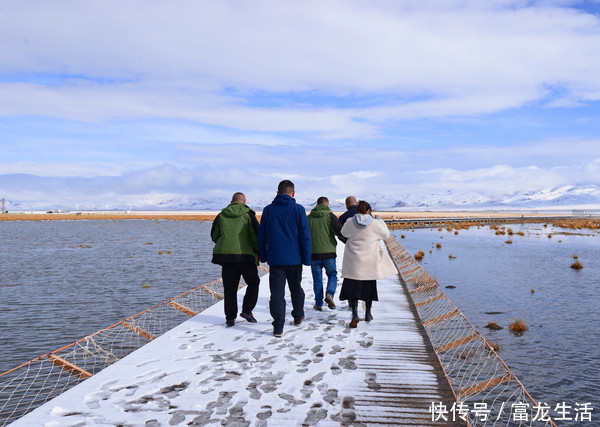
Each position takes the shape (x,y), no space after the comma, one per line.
(566,197)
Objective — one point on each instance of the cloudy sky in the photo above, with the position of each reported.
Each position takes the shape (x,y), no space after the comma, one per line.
(117,102)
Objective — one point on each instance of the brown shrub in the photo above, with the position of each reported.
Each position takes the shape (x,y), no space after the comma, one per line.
(576,265)
(518,327)
(493,326)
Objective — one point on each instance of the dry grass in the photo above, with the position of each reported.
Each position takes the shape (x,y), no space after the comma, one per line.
(451,256)
(520,233)
(419,255)
(508,242)
(438,245)
(576,265)
(108,216)
(493,326)
(510,231)
(492,345)
(575,256)
(518,327)
(500,232)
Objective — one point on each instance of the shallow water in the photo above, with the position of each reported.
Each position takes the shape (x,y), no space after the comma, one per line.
(63,280)
(558,358)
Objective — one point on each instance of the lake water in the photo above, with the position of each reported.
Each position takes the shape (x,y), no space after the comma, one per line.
(558,358)
(63,280)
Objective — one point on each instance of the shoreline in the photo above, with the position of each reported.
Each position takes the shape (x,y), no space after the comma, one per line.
(208,215)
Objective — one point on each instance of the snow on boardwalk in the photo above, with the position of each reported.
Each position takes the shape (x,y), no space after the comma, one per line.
(319,373)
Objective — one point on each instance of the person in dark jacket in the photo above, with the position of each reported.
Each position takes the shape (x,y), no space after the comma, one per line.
(351,205)
(234,232)
(324,226)
(284,243)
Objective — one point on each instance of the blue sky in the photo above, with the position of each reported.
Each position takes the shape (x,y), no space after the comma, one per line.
(127,102)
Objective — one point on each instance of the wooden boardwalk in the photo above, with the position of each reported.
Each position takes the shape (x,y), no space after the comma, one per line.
(320,373)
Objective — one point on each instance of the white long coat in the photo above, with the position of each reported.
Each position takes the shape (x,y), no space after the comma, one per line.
(364,257)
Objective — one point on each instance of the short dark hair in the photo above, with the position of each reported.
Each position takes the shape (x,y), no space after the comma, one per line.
(322,199)
(285,187)
(238,197)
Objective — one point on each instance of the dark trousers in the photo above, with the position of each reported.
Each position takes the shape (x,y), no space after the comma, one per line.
(231,273)
(278,274)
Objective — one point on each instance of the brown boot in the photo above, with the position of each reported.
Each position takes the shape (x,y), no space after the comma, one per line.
(355,319)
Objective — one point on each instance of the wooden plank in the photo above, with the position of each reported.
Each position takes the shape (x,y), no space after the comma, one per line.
(183,308)
(441,317)
(411,271)
(406,258)
(458,342)
(69,367)
(211,292)
(138,331)
(424,288)
(432,299)
(484,385)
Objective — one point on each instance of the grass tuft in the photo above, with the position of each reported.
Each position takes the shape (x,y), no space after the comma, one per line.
(419,255)
(576,265)
(518,327)
(493,326)
(494,346)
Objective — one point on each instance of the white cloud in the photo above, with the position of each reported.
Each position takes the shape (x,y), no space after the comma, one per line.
(152,98)
(153,59)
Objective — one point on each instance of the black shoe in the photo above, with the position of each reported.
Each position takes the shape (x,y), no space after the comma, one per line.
(368,316)
(277,334)
(230,323)
(297,322)
(354,322)
(249,317)
(318,308)
(329,301)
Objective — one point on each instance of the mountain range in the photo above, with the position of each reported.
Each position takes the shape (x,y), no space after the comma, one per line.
(565,197)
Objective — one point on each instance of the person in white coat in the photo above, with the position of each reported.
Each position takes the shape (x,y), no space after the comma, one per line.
(365,260)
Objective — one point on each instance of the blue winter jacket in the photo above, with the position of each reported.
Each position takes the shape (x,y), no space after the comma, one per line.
(283,234)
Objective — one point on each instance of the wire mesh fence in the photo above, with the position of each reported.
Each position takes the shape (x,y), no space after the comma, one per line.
(487,391)
(31,384)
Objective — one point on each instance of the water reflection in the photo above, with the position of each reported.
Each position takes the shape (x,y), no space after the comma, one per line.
(63,280)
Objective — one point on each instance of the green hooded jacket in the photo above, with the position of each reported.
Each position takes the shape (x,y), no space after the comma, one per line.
(324,226)
(234,233)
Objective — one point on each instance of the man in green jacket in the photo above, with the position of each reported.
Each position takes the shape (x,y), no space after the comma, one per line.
(234,232)
(324,226)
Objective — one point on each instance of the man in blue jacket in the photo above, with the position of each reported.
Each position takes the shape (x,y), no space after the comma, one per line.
(284,243)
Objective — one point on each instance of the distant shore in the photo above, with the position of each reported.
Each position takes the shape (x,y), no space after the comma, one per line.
(207,215)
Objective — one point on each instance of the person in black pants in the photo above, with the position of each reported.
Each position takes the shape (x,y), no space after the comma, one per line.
(234,232)
(284,243)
